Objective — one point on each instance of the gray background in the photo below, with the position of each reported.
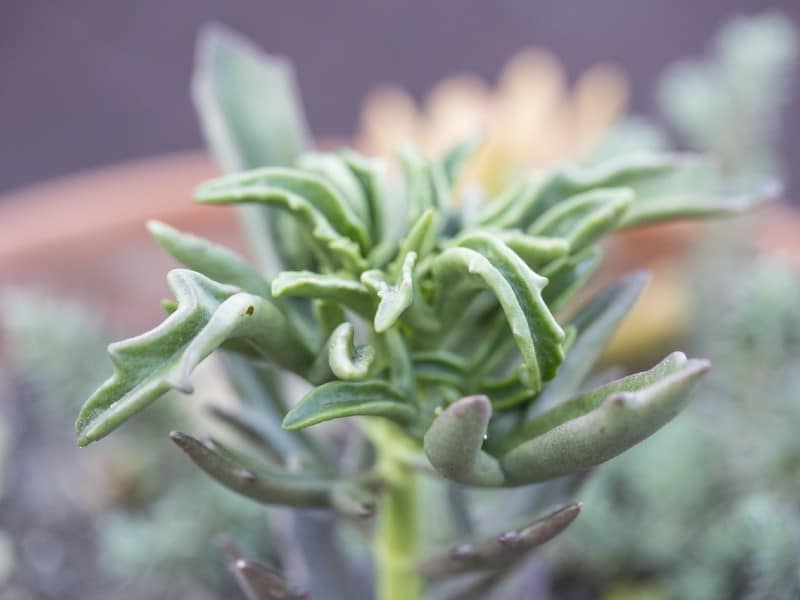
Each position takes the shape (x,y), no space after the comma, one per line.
(93,82)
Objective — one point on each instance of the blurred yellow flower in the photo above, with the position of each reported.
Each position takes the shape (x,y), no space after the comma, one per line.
(531,119)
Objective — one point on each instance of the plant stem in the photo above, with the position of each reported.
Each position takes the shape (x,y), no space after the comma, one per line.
(396,536)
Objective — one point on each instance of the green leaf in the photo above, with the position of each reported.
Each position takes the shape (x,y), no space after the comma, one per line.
(371,173)
(502,551)
(454,439)
(336,173)
(485,262)
(427,186)
(348,292)
(251,116)
(441,367)
(345,399)
(595,323)
(536,251)
(346,361)
(268,486)
(597,426)
(582,219)
(327,218)
(147,366)
(393,299)
(511,210)
(569,274)
(212,260)
(421,240)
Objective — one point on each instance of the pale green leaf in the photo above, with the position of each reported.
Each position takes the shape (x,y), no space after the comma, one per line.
(338,399)
(597,426)
(483,262)
(454,439)
(149,365)
(595,324)
(347,361)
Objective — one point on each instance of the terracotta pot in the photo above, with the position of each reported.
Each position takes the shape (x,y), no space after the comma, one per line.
(84,236)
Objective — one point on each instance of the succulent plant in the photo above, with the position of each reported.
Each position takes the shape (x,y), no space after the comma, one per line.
(440,325)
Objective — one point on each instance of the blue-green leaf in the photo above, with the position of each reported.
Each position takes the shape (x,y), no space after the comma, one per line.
(454,439)
(483,262)
(147,366)
(347,361)
(597,426)
(330,221)
(595,323)
(338,399)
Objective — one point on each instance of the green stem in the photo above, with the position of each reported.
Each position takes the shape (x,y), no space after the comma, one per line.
(397,532)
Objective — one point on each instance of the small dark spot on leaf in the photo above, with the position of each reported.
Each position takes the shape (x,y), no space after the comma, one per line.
(250,310)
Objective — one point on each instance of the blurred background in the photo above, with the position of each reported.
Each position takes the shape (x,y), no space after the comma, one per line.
(90,83)
(98,134)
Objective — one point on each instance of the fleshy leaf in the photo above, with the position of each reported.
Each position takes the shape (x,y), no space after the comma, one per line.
(372,176)
(346,361)
(454,439)
(582,219)
(251,116)
(151,364)
(334,170)
(567,275)
(536,251)
(427,185)
(595,323)
(338,399)
(394,299)
(329,220)
(212,260)
(268,486)
(595,427)
(502,551)
(348,292)
(485,262)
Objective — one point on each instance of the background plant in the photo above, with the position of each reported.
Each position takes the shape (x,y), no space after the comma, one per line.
(459,349)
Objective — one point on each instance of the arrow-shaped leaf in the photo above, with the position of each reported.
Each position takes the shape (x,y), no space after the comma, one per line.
(149,365)
(338,399)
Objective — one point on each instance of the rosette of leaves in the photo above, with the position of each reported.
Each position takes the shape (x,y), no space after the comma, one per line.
(440,328)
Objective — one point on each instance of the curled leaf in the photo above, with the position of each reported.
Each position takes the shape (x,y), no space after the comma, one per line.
(454,439)
(346,361)
(485,262)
